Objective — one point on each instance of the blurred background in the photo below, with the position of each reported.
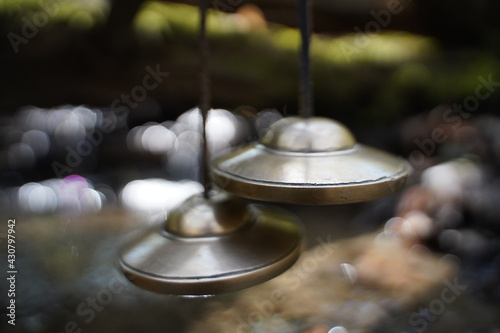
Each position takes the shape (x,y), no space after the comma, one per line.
(99,133)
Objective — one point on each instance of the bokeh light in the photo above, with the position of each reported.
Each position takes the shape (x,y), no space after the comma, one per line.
(73,194)
(180,141)
(156,195)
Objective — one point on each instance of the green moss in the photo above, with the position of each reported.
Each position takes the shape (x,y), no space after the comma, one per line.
(378,78)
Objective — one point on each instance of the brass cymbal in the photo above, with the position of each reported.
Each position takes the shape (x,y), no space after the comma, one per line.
(215,245)
(310,161)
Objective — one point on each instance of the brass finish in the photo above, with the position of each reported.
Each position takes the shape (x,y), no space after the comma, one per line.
(310,161)
(198,217)
(309,135)
(210,246)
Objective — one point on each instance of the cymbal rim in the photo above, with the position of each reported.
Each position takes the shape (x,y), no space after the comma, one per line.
(231,177)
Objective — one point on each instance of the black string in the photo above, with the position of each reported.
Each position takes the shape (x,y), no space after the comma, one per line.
(305,24)
(205,96)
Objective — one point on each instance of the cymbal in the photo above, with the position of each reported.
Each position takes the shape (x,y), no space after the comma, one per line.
(213,245)
(310,161)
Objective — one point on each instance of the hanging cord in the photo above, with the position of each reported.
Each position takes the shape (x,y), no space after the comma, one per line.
(205,96)
(305,24)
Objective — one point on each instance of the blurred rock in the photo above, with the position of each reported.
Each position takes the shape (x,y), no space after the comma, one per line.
(318,329)
(316,290)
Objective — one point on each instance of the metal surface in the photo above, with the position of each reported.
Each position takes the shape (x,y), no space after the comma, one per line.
(312,135)
(210,246)
(199,217)
(310,161)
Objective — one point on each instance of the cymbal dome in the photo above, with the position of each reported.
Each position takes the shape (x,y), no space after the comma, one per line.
(200,217)
(315,134)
